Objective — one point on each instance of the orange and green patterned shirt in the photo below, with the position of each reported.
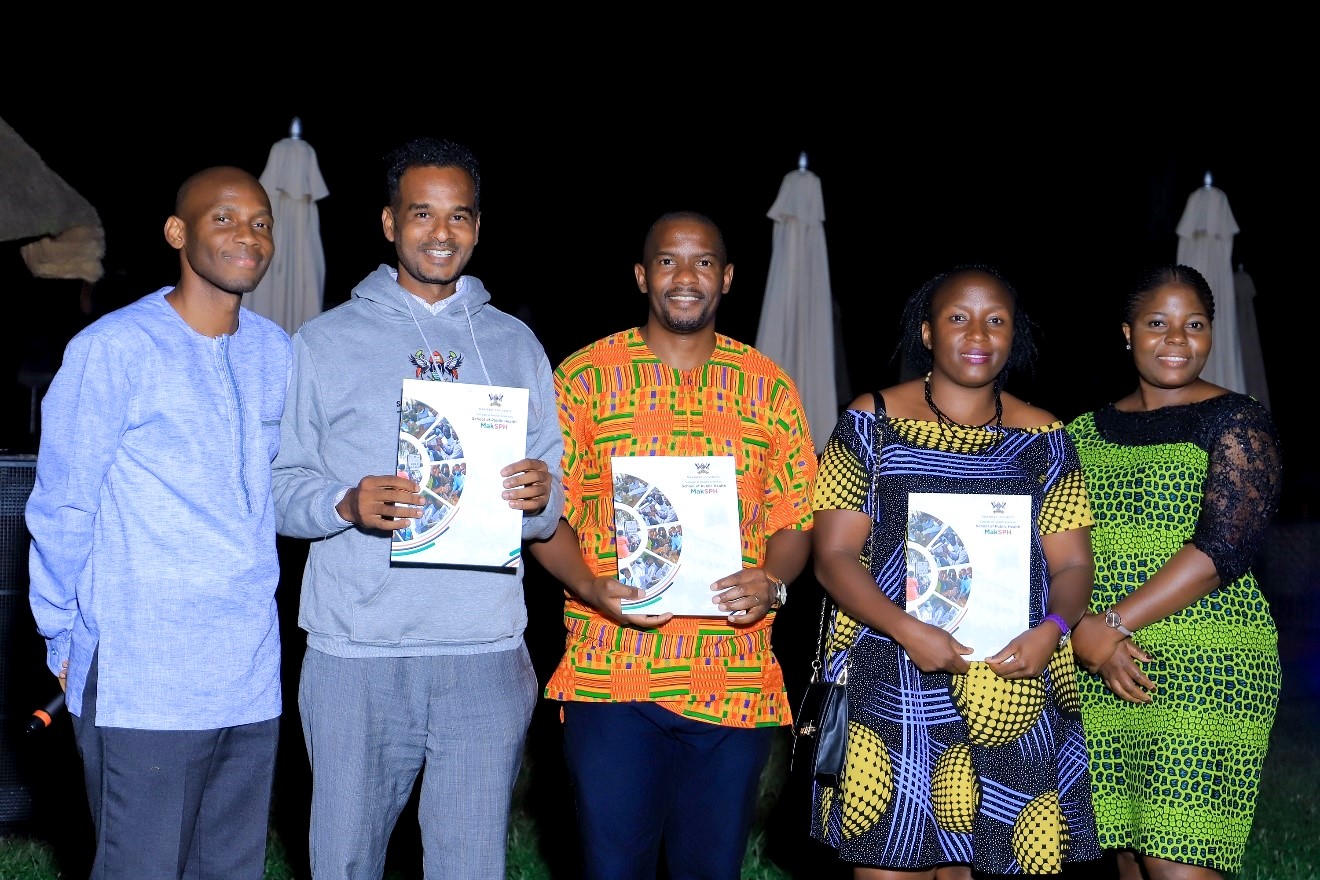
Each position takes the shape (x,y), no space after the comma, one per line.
(616,398)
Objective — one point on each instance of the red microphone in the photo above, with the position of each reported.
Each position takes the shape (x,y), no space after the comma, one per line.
(41,718)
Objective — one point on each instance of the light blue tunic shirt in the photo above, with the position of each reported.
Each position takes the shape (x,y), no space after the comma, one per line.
(153,528)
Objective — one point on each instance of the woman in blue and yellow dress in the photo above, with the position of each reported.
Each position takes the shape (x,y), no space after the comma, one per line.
(1185,478)
(954,764)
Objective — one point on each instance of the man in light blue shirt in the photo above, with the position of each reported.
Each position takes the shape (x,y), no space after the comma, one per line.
(153,565)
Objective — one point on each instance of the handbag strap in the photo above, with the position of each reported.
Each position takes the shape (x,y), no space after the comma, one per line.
(881,415)
(818,662)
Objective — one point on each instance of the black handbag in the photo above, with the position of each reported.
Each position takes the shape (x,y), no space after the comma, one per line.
(820,726)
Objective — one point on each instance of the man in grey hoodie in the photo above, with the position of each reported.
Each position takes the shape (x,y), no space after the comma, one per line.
(410,670)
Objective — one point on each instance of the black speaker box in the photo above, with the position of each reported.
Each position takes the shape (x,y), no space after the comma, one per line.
(22,667)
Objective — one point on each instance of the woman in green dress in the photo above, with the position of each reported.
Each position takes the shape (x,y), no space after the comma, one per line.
(1184,478)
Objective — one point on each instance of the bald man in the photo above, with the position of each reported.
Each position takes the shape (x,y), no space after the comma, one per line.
(153,565)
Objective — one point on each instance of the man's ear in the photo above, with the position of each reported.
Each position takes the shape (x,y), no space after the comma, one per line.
(387,222)
(639,272)
(728,278)
(174,232)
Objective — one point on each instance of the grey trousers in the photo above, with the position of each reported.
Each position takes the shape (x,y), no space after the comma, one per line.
(177,804)
(372,725)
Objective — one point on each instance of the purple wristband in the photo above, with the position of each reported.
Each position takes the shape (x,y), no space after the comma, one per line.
(1064,629)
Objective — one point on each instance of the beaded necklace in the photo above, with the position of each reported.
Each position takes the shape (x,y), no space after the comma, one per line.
(947,425)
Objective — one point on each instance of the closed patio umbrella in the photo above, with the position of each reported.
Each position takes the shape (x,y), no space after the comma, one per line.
(293,288)
(797,315)
(1253,358)
(1205,242)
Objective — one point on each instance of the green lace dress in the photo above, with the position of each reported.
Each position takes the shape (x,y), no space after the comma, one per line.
(1177,778)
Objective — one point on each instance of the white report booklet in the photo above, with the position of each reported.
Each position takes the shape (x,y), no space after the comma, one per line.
(453,440)
(676,530)
(969,566)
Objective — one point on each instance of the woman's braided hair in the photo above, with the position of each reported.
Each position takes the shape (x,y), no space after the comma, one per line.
(917,358)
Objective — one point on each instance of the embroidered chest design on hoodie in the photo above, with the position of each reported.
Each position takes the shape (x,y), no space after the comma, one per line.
(438,367)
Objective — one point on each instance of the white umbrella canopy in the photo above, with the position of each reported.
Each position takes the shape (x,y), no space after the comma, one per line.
(797,315)
(293,289)
(1205,242)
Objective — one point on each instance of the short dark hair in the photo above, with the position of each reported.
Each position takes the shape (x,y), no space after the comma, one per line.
(721,250)
(429,152)
(917,358)
(1168,273)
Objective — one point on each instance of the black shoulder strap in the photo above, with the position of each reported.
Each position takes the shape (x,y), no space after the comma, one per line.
(878,431)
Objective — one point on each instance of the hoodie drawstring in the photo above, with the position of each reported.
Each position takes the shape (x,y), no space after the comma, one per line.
(472,331)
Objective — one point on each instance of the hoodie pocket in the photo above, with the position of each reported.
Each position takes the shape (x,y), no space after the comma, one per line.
(389,614)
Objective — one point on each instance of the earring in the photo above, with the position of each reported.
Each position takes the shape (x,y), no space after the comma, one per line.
(1129,346)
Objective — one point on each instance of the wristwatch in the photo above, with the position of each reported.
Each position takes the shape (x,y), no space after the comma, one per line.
(1113,621)
(781,590)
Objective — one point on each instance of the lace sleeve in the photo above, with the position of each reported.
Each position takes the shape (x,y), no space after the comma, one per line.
(1243,485)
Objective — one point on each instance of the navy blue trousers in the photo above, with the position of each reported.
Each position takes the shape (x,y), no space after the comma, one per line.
(644,777)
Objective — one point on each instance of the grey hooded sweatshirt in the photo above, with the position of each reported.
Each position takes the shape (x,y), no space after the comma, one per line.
(341,423)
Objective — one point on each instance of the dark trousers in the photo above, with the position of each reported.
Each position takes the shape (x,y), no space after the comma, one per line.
(642,775)
(177,804)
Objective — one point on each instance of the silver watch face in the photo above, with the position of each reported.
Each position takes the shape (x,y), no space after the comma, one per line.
(781,591)
(1112,620)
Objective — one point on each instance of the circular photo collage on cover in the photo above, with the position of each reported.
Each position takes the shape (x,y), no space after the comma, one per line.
(430,453)
(648,535)
(939,572)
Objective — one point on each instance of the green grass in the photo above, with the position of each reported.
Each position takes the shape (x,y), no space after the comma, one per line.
(1284,843)
(1285,836)
(22,859)
(28,859)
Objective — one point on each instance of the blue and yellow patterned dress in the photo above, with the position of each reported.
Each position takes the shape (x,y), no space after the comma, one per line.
(1177,778)
(941,768)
